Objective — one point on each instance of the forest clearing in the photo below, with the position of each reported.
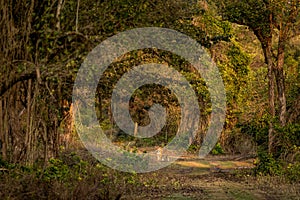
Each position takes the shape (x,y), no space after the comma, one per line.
(150,99)
(80,176)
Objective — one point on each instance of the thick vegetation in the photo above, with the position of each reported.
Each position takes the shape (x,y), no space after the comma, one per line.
(255,44)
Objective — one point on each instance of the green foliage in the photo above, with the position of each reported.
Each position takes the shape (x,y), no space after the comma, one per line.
(217,149)
(193,148)
(6,165)
(70,168)
(252,13)
(268,165)
(58,52)
(287,141)
(132,179)
(257,129)
(56,170)
(235,70)
(286,146)
(65,178)
(293,172)
(3,163)
(240,61)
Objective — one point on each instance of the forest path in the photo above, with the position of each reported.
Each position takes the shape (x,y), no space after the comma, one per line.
(214,177)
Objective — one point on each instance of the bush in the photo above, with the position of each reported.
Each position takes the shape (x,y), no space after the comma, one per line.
(69,177)
(217,149)
(56,170)
(257,129)
(293,172)
(267,165)
(287,142)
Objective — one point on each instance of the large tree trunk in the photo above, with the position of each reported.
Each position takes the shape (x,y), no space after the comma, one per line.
(265,37)
(266,43)
(271,93)
(280,80)
(281,94)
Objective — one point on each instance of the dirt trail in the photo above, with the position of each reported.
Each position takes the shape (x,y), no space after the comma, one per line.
(215,177)
(217,163)
(212,178)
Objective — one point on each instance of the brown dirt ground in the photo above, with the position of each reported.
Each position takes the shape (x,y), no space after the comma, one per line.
(215,177)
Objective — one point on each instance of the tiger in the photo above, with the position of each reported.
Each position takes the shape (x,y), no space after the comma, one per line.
(161,155)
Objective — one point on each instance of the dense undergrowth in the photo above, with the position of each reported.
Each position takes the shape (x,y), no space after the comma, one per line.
(285,160)
(68,177)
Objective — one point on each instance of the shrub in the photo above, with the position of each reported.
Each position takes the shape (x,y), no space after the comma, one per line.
(217,149)
(56,170)
(293,172)
(267,165)
(287,142)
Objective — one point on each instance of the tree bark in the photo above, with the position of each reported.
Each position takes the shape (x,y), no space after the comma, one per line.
(266,43)
(77,16)
(28,124)
(271,93)
(2,134)
(58,11)
(8,84)
(280,80)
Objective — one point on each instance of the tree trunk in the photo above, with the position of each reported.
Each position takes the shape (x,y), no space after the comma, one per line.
(280,81)
(265,37)
(5,131)
(271,85)
(267,49)
(2,132)
(58,11)
(28,124)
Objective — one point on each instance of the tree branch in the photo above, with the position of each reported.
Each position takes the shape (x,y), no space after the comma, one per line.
(4,87)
